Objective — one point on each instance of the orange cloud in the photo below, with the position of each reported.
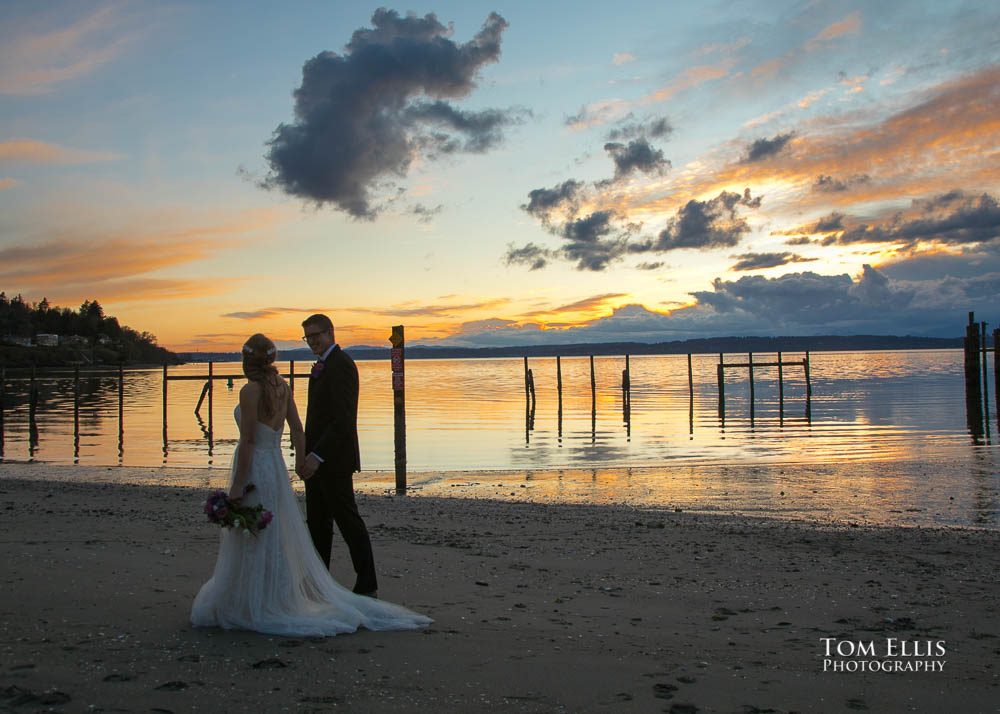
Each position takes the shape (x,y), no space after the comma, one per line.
(947,140)
(38,152)
(850,25)
(691,77)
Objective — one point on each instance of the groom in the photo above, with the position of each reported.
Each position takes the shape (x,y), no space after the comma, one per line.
(333,454)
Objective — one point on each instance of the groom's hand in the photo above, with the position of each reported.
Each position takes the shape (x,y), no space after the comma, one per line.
(308,467)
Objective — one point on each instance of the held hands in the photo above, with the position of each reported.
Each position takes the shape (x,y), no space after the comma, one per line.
(306,468)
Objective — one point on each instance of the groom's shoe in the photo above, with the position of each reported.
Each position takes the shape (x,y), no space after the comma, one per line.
(373,594)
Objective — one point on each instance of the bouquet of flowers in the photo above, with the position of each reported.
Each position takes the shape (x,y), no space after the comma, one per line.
(228,513)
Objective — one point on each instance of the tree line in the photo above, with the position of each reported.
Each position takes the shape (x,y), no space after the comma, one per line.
(104,340)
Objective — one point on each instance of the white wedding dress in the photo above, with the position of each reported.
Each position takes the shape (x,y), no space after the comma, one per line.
(275,582)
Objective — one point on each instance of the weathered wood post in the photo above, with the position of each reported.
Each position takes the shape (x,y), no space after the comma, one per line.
(164,409)
(593,385)
(781,390)
(973,390)
(291,375)
(3,381)
(527,390)
(996,373)
(76,411)
(559,392)
(211,392)
(121,409)
(690,396)
(396,355)
(986,390)
(593,402)
(809,389)
(750,372)
(721,377)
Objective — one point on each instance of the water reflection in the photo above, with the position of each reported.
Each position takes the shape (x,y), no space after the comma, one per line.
(467,414)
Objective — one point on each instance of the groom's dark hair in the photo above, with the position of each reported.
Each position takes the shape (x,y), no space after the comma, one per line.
(319,320)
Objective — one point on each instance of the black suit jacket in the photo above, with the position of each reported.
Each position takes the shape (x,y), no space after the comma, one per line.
(332,416)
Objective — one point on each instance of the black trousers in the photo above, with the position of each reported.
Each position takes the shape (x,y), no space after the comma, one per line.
(329,500)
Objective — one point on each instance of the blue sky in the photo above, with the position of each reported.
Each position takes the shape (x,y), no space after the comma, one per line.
(503,174)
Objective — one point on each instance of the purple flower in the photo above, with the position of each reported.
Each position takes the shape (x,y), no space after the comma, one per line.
(265,518)
(317,369)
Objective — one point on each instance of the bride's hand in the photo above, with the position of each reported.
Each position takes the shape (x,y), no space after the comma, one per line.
(235,494)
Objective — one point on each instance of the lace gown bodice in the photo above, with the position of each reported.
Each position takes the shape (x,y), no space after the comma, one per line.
(275,582)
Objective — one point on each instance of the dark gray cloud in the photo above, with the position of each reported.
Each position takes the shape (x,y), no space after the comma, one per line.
(639,155)
(424,213)
(542,201)
(628,129)
(953,218)
(650,266)
(362,116)
(829,184)
(800,240)
(707,224)
(535,257)
(596,240)
(760,261)
(765,148)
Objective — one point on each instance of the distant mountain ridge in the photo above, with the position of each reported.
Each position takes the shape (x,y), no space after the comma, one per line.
(707,345)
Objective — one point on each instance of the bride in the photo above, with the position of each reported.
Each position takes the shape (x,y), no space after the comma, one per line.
(274,582)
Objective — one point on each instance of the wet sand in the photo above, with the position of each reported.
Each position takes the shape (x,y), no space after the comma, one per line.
(538,607)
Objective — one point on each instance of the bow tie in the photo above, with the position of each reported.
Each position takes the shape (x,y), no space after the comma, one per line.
(317,369)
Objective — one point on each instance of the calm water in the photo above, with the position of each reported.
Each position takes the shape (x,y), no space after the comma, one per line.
(471,415)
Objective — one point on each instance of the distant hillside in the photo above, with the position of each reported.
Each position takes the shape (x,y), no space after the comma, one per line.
(710,345)
(50,336)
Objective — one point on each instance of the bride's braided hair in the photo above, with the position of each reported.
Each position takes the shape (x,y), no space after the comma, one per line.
(258,365)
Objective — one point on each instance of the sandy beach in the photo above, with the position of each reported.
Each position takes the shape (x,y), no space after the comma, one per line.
(538,607)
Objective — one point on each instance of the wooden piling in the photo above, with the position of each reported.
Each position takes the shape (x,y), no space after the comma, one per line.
(996,372)
(690,396)
(593,384)
(397,354)
(973,388)
(121,410)
(291,375)
(3,381)
(76,412)
(211,392)
(721,377)
(986,390)
(164,408)
(559,392)
(781,390)
(750,371)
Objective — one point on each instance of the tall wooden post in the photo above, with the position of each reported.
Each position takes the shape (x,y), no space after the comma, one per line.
(781,390)
(76,412)
(164,412)
(593,402)
(399,404)
(986,390)
(559,392)
(121,410)
(721,377)
(750,370)
(291,375)
(3,381)
(211,391)
(973,388)
(996,372)
(690,396)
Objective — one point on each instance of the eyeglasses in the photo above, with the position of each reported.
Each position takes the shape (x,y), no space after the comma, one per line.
(309,336)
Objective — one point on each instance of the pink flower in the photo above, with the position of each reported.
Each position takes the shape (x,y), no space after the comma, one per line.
(317,369)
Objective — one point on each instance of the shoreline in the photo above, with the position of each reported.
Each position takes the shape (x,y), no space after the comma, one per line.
(538,607)
(891,492)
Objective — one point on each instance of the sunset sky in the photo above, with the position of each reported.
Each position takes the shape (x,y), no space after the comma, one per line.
(503,173)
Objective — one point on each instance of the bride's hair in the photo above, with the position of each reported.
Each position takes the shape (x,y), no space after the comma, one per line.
(259,354)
